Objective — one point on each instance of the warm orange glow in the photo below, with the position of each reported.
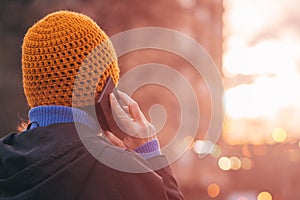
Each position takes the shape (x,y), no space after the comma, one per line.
(264,196)
(213,190)
(261,68)
(279,135)
(235,163)
(260,150)
(246,151)
(246,163)
(224,163)
(265,97)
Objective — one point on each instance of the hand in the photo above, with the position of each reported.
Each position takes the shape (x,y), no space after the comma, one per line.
(132,121)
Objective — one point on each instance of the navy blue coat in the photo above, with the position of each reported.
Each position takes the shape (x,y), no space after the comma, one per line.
(52,163)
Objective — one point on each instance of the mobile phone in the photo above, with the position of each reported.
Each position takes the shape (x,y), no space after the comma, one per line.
(103,109)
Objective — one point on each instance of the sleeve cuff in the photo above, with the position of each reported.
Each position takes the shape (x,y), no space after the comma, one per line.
(149,149)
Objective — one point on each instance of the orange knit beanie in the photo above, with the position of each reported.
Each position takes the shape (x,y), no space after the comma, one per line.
(55,49)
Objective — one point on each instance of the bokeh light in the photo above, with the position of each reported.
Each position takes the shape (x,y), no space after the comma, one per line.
(279,135)
(203,147)
(261,69)
(246,151)
(258,44)
(216,151)
(235,163)
(264,196)
(246,163)
(213,190)
(224,163)
(188,141)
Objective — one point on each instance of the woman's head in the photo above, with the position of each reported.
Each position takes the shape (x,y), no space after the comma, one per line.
(61,49)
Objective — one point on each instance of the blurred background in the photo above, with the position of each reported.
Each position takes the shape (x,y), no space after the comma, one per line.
(256,47)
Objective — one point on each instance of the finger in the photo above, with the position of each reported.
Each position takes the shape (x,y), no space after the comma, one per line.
(126,108)
(118,111)
(116,107)
(134,108)
(121,102)
(124,97)
(114,139)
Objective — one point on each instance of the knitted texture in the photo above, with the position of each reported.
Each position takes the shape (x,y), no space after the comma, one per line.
(55,50)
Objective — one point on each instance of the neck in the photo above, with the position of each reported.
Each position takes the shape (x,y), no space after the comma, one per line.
(46,115)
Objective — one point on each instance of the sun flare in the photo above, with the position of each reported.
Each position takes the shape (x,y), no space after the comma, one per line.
(265,47)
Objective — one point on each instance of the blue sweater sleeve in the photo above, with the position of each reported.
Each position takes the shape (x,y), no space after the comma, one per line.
(149,149)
